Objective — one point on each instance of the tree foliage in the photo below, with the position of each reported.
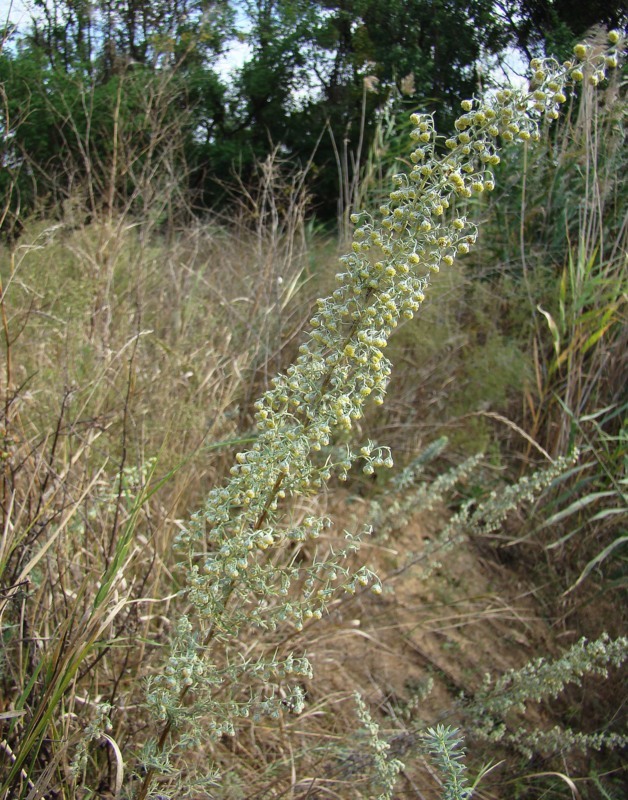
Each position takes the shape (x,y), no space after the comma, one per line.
(85,83)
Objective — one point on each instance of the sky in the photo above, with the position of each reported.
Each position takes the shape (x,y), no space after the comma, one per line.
(15,12)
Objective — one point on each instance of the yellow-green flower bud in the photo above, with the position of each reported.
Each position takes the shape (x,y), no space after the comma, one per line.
(577,75)
(457,180)
(580,51)
(466,105)
(614,37)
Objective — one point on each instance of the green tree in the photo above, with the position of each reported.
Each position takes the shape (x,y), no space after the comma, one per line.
(78,78)
(430,50)
(93,91)
(552,26)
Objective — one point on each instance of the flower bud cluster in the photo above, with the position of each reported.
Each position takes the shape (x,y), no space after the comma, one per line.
(188,667)
(592,65)
(375,458)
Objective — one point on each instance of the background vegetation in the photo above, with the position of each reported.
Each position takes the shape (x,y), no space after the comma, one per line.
(166,234)
(95,91)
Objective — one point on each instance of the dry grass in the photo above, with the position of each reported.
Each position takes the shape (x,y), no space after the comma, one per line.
(129,368)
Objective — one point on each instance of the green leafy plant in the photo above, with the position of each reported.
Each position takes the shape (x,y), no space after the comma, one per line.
(444,744)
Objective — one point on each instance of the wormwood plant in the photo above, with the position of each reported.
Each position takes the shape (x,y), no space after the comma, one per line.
(241,550)
(444,744)
(385,768)
(541,679)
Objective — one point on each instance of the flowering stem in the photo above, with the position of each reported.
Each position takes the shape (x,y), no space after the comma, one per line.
(339,368)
